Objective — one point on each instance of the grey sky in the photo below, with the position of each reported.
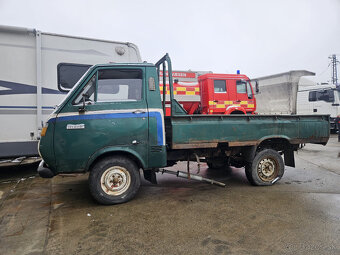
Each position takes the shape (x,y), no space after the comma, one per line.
(258,37)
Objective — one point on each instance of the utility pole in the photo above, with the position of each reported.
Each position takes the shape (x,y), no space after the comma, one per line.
(334,69)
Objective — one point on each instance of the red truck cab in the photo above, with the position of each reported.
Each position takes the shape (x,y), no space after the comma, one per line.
(226,94)
(211,93)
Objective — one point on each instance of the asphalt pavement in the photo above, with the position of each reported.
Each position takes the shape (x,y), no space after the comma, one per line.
(300,214)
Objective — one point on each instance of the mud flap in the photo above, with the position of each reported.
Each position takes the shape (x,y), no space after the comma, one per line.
(150,176)
(289,157)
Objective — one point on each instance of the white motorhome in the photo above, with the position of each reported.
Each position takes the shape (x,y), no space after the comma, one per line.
(36,71)
(319,99)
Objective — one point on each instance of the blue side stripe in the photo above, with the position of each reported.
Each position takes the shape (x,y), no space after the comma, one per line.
(156,115)
(159,121)
(102,116)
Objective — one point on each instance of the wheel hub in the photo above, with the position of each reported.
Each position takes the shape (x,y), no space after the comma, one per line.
(115,180)
(267,169)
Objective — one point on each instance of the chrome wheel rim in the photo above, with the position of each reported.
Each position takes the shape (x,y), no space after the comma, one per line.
(115,180)
(267,169)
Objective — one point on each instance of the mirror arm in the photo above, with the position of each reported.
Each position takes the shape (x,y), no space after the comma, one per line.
(82,109)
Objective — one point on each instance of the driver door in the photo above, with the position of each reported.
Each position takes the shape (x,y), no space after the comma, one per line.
(110,110)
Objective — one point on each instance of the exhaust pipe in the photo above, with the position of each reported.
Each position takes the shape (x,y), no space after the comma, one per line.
(192,176)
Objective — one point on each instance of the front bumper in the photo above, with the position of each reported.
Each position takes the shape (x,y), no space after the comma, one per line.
(44,171)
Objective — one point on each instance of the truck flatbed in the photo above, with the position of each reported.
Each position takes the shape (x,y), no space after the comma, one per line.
(207,131)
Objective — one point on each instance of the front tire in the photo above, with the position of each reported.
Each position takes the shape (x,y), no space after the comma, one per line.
(266,168)
(114,180)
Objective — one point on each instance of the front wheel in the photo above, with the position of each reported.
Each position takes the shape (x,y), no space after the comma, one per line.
(266,168)
(114,180)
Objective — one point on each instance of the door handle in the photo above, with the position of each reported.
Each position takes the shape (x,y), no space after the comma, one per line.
(138,112)
(215,101)
(238,101)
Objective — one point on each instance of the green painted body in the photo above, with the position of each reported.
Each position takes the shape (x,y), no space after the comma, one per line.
(136,128)
(74,150)
(192,131)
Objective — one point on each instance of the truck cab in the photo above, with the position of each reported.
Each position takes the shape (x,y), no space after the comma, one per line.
(226,94)
(112,108)
(320,99)
(213,93)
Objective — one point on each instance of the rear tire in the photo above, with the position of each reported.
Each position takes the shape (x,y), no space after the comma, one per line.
(266,167)
(114,180)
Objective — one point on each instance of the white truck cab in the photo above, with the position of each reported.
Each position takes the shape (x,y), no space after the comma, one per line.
(319,99)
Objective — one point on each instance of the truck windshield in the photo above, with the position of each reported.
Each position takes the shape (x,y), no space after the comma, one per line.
(249,91)
(241,86)
(74,87)
(88,91)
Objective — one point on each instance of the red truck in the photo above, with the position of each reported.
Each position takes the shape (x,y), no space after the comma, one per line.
(211,93)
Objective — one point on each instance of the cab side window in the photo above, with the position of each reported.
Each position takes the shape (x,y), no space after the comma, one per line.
(321,95)
(119,85)
(220,86)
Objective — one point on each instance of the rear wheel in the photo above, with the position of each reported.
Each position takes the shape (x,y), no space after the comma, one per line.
(266,168)
(114,180)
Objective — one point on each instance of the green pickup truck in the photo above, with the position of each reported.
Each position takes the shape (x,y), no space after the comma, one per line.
(112,124)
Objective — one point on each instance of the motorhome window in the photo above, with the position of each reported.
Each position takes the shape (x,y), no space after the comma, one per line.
(241,86)
(321,95)
(68,75)
(87,92)
(119,85)
(220,86)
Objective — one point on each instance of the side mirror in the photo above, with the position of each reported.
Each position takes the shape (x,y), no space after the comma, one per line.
(84,99)
(257,88)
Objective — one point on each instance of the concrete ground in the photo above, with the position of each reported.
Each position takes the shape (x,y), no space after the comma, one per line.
(298,215)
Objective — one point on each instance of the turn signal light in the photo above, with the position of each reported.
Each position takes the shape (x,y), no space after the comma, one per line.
(43,131)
